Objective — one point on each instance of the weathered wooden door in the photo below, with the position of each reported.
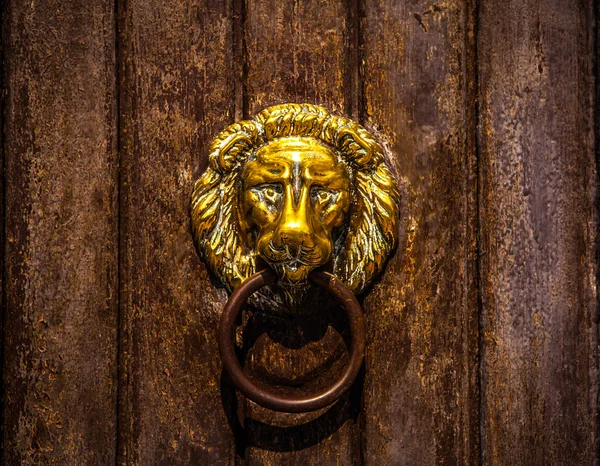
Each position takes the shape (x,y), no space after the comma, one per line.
(482,335)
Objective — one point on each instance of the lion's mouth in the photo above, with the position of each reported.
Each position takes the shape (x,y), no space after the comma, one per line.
(293,267)
(292,273)
(302,255)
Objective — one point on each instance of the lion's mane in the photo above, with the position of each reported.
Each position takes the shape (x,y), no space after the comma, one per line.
(372,230)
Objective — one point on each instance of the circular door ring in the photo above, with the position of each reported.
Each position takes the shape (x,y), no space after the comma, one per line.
(226,337)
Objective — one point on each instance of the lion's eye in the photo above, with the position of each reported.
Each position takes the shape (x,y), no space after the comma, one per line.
(321,195)
(269,192)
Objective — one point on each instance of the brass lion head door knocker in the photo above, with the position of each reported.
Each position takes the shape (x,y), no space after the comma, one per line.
(294,201)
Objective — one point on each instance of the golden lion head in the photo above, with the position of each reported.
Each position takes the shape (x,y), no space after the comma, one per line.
(296,188)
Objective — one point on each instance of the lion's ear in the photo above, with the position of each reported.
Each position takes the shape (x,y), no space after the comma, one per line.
(233,145)
(361,148)
(372,232)
(354,142)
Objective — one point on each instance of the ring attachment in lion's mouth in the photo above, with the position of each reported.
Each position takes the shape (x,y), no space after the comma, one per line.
(269,400)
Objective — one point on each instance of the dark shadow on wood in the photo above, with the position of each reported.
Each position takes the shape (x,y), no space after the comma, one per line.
(286,439)
(291,333)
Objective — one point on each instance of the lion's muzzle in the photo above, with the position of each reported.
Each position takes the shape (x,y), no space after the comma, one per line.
(294,248)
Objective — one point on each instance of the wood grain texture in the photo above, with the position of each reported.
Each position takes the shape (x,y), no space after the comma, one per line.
(299,52)
(538,221)
(420,401)
(520,94)
(60,356)
(296,52)
(177,93)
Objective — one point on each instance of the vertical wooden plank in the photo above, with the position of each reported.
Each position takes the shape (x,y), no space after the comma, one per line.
(420,401)
(538,221)
(298,52)
(61,233)
(177,92)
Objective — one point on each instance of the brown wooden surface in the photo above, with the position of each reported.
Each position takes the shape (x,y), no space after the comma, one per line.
(299,52)
(420,401)
(482,334)
(538,219)
(177,92)
(60,349)
(296,52)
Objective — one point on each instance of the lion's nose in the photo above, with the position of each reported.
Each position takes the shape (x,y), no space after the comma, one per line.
(295,228)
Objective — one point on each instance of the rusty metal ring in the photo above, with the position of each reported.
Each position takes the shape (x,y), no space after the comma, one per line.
(226,337)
